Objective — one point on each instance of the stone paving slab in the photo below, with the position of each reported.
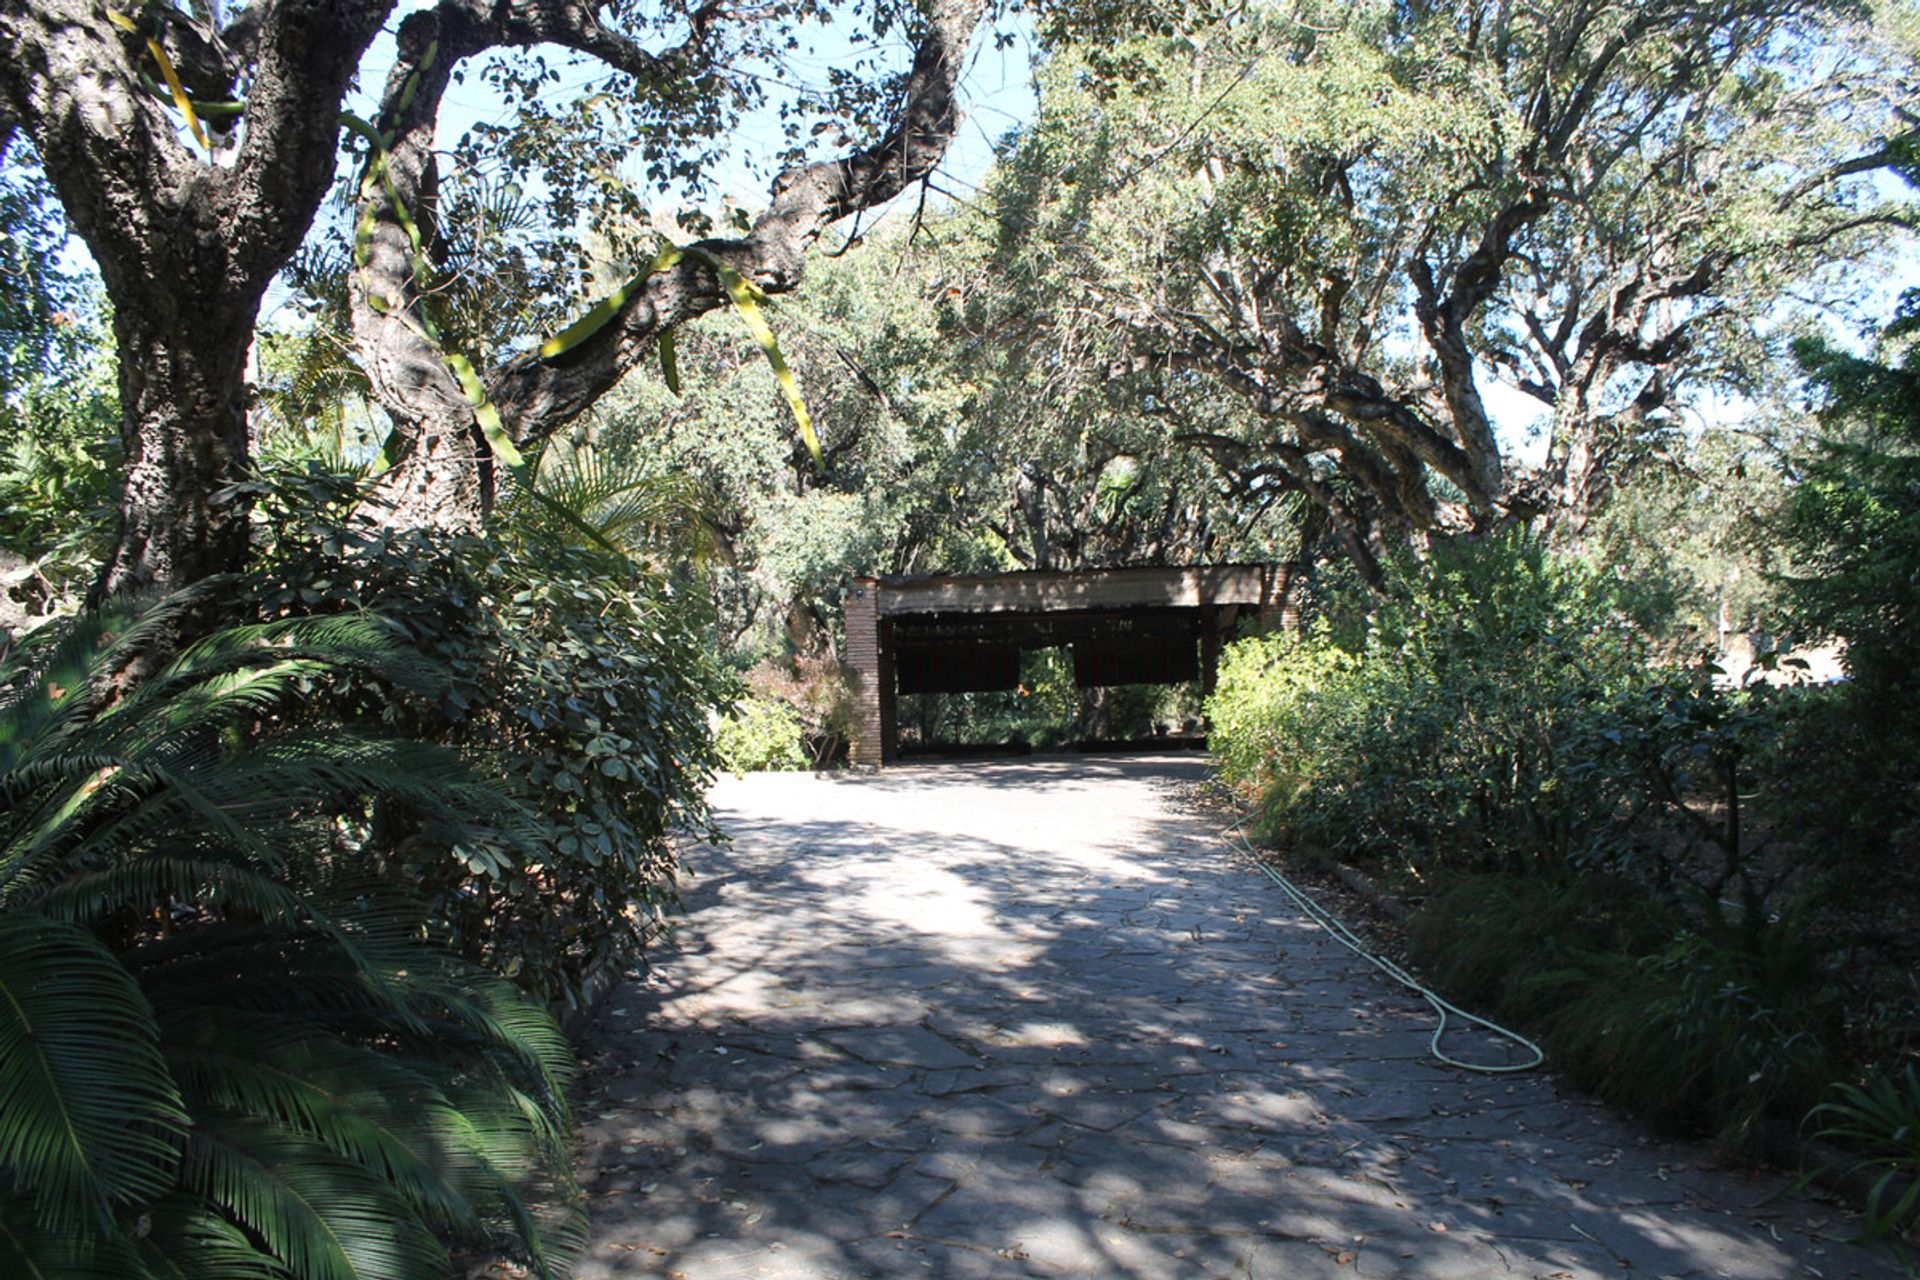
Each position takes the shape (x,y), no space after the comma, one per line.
(1030,1019)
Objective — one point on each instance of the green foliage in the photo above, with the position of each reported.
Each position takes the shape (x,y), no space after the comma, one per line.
(758,734)
(1435,742)
(1699,1031)
(942,435)
(1880,1118)
(1852,523)
(224,1047)
(59,466)
(59,407)
(582,677)
(1682,528)
(1610,853)
(1267,707)
(819,692)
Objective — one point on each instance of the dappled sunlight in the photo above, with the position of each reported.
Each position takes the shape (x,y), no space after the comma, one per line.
(1021,1019)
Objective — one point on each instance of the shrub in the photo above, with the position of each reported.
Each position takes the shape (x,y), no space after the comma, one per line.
(224,1048)
(759,734)
(820,694)
(581,678)
(1435,743)
(1271,704)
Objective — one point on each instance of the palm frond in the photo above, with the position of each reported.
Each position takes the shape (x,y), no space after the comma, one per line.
(186,1241)
(48,685)
(90,1120)
(29,1251)
(323,1217)
(645,513)
(365,1105)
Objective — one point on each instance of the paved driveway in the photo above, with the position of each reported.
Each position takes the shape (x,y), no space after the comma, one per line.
(1031,1019)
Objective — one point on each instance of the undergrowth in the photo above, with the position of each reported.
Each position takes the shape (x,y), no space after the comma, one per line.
(1696,1031)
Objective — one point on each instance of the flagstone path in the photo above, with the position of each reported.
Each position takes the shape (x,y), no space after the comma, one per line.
(1031,1018)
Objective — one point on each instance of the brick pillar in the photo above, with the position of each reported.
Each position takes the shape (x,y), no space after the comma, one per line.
(1279,610)
(872,667)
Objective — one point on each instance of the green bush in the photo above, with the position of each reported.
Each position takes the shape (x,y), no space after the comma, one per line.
(59,469)
(582,679)
(1271,707)
(1698,1029)
(1435,742)
(759,734)
(820,693)
(225,1048)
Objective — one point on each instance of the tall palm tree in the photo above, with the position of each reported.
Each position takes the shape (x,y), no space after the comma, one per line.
(226,1048)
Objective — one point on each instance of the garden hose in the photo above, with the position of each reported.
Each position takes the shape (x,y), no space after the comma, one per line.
(1443,1010)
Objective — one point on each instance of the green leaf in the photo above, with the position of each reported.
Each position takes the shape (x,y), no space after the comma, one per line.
(669,362)
(90,1119)
(325,1218)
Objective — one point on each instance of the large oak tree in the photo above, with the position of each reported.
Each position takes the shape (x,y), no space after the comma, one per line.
(190,221)
(1356,218)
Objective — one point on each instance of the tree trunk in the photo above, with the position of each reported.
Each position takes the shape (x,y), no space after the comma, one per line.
(184,427)
(186,233)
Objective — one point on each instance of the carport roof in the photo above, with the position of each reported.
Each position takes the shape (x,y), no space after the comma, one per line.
(1047,591)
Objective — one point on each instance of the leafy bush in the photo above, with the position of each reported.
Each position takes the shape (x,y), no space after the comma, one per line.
(1698,1030)
(1435,743)
(582,677)
(759,734)
(820,694)
(224,1048)
(1268,708)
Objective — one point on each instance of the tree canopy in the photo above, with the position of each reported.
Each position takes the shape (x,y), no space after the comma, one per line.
(1357,218)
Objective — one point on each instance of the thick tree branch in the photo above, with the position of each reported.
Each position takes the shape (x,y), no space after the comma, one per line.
(306,53)
(537,396)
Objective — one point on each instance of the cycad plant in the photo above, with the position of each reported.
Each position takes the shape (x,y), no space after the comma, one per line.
(621,504)
(226,1049)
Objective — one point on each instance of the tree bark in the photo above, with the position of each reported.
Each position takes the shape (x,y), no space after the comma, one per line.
(184,430)
(186,241)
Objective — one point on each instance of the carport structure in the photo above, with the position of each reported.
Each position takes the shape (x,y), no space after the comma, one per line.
(957,633)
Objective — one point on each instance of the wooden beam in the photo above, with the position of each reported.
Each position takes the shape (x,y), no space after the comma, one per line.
(1045,591)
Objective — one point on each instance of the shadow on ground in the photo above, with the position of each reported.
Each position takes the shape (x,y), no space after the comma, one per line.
(1020,1018)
